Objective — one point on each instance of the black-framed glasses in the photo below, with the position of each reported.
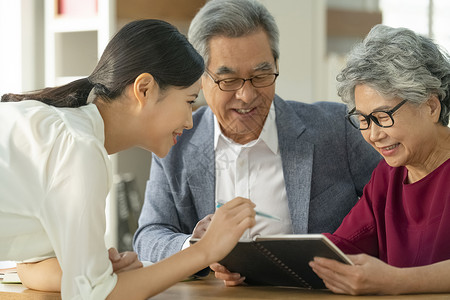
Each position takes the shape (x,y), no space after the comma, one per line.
(234,84)
(380,118)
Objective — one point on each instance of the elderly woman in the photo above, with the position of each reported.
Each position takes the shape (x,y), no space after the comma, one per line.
(397,86)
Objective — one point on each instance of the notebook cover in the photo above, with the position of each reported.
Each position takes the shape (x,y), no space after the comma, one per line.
(282,260)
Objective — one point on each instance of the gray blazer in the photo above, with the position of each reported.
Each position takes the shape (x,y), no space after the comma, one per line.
(326,164)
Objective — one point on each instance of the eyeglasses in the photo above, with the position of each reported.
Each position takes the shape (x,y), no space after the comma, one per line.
(234,84)
(381,118)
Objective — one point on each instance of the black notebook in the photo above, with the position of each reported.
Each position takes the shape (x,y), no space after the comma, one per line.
(282,260)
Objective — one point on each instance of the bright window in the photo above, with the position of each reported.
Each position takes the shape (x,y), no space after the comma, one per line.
(426,17)
(10,47)
(441,23)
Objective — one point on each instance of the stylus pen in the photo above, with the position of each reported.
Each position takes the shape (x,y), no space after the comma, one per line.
(257,213)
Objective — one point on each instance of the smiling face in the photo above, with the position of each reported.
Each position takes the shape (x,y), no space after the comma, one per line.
(242,113)
(167,117)
(411,140)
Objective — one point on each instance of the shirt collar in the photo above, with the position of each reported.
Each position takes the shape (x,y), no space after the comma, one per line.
(268,134)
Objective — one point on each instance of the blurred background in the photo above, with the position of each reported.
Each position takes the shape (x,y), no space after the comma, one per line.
(51,42)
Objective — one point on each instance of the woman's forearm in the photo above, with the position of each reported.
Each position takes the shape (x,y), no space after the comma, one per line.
(149,281)
(44,275)
(433,278)
(227,226)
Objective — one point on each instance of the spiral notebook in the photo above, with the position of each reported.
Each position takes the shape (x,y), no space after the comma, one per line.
(282,260)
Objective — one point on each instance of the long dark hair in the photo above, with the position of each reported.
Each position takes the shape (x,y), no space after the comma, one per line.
(143,46)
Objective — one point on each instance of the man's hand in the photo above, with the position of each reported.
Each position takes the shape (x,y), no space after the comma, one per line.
(230,279)
(123,261)
(202,226)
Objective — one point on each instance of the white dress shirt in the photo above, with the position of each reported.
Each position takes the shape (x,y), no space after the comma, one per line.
(55,175)
(254,171)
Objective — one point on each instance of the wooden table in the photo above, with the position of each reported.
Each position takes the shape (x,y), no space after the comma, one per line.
(18,291)
(211,288)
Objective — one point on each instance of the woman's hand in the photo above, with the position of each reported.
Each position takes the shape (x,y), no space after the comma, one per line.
(226,228)
(123,261)
(46,275)
(368,275)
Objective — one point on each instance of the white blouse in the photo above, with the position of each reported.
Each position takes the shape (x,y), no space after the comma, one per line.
(55,175)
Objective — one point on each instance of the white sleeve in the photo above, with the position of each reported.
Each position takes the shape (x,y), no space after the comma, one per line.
(186,243)
(73,215)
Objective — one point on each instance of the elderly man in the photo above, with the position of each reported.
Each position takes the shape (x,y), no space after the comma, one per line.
(302,163)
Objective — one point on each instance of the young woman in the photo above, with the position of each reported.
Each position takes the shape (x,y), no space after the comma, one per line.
(55,172)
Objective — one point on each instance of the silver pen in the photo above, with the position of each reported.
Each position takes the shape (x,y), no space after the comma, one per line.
(219,204)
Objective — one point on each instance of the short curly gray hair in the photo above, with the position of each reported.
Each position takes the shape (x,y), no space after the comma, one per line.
(231,18)
(397,62)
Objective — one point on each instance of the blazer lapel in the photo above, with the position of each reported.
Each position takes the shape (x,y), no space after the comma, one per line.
(297,160)
(200,164)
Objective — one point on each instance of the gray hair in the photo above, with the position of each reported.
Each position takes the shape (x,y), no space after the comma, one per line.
(231,18)
(397,62)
